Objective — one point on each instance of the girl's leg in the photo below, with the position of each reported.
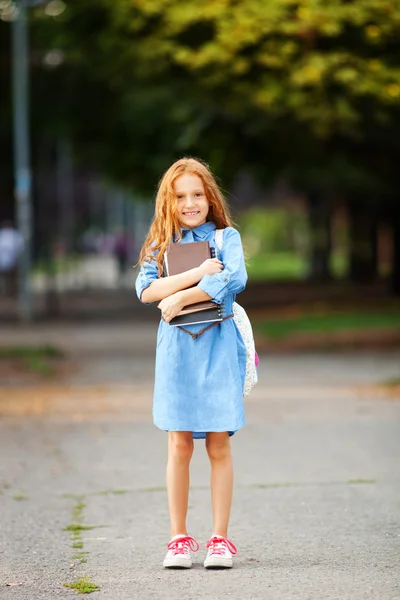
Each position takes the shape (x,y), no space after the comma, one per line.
(219,452)
(180,450)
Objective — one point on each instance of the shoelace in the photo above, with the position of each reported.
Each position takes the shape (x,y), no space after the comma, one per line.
(217,545)
(183,545)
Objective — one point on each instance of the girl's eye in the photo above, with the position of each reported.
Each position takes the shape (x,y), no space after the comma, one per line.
(199,194)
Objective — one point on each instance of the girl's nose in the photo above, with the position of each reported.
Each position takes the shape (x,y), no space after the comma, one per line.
(189,202)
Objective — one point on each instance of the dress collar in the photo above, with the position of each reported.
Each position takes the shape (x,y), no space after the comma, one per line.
(202,230)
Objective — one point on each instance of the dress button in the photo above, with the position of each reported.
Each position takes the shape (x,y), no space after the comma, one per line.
(225,280)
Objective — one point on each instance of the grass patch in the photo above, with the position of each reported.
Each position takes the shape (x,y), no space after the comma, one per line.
(76,527)
(288,265)
(52,266)
(71,496)
(77,511)
(81,556)
(277,265)
(110,492)
(328,323)
(36,358)
(40,366)
(288,484)
(29,352)
(360,481)
(160,488)
(83,586)
(20,497)
(394,381)
(4,486)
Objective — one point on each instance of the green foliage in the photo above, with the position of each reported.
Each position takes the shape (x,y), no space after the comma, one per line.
(312,85)
(392,382)
(320,323)
(36,358)
(277,242)
(83,586)
(111,492)
(289,265)
(76,527)
(45,351)
(276,266)
(20,497)
(315,60)
(274,230)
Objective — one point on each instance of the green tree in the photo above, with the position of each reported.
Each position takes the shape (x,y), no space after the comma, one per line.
(308,87)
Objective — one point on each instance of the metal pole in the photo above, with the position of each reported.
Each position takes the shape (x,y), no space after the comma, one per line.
(22,172)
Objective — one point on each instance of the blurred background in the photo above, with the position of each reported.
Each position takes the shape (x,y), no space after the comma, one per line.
(295,104)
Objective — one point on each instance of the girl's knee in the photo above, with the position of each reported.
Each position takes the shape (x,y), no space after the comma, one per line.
(218,446)
(181,444)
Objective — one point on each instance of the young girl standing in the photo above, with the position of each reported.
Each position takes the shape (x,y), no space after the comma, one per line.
(198,391)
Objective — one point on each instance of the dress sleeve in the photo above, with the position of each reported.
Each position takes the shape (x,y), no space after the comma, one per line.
(147,274)
(233,278)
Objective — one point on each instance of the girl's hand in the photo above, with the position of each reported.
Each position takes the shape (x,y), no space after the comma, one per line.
(211,266)
(171,306)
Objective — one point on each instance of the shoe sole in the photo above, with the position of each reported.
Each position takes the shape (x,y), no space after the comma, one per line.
(177,563)
(218,563)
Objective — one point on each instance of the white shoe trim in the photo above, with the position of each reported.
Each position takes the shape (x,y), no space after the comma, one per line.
(218,562)
(177,562)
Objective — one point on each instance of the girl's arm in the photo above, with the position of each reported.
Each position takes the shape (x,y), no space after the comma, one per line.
(233,278)
(151,288)
(172,305)
(166,286)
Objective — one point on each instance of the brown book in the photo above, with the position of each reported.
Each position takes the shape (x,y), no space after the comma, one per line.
(179,258)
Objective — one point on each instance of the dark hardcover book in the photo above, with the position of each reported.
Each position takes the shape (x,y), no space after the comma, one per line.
(179,258)
(210,315)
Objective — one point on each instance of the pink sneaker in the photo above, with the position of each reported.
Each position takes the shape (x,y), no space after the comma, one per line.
(178,555)
(220,551)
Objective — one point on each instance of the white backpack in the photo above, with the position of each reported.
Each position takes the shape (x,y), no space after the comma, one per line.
(243,324)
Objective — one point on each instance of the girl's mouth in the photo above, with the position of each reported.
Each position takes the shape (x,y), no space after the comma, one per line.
(192,214)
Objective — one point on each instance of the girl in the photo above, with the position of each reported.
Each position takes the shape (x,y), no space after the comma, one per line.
(198,391)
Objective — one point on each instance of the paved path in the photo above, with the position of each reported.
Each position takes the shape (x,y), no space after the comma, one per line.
(317,496)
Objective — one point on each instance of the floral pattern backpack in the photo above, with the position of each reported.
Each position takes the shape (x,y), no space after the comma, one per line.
(243,324)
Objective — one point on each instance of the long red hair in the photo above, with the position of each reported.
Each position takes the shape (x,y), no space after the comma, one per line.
(165,225)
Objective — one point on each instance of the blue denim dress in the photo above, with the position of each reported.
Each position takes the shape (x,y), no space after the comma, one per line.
(199,382)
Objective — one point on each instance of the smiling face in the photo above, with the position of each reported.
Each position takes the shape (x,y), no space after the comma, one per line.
(192,203)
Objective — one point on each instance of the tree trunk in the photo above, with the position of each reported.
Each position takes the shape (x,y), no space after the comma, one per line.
(7,202)
(48,219)
(320,236)
(363,244)
(395,279)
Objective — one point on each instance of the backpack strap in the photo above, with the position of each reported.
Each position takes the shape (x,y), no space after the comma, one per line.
(219,238)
